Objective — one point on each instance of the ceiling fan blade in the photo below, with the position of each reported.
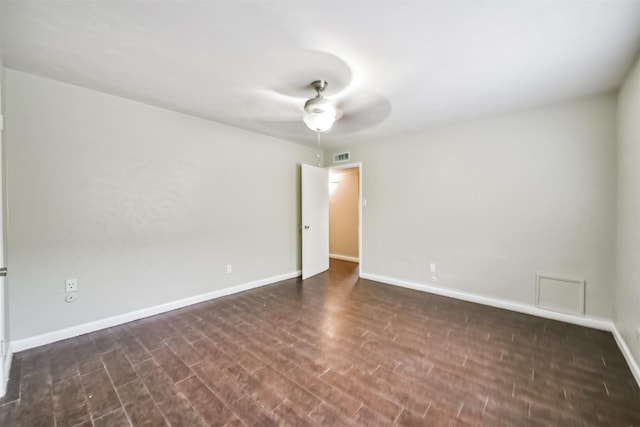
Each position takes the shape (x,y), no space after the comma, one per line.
(306,66)
(266,105)
(294,130)
(362,110)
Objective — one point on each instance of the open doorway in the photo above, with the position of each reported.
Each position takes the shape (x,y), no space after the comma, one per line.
(344,213)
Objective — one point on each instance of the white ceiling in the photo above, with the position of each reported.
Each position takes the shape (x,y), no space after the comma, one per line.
(393,67)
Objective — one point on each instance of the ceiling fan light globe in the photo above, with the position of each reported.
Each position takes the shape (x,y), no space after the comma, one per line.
(319,122)
(319,114)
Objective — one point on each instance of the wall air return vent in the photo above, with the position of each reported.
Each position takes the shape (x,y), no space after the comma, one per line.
(560,294)
(341,157)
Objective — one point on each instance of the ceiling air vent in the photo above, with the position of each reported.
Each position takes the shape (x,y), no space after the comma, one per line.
(341,157)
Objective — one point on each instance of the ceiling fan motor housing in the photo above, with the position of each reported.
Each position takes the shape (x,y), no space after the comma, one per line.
(319,85)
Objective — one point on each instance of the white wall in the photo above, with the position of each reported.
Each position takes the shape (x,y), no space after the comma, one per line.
(627,313)
(494,202)
(142,205)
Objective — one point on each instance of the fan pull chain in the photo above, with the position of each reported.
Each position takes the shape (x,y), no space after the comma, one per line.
(319,154)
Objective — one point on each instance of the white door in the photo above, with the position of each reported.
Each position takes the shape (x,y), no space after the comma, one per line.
(315,220)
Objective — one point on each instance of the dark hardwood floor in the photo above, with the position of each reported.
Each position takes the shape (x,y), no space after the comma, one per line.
(332,350)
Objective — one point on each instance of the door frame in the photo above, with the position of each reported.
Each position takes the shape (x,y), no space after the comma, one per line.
(5,347)
(360,206)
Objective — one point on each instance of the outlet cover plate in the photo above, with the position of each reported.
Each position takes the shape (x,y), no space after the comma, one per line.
(71,285)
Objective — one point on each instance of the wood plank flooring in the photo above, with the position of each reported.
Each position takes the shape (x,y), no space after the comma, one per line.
(332,350)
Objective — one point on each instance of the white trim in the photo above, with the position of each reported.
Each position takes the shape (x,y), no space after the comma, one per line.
(633,365)
(589,321)
(6,368)
(49,337)
(344,257)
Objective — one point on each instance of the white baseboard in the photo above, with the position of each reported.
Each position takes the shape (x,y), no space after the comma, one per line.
(6,368)
(588,321)
(626,352)
(344,257)
(49,337)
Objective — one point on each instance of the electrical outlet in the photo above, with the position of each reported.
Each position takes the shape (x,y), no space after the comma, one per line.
(71,285)
(434,279)
(229,269)
(72,297)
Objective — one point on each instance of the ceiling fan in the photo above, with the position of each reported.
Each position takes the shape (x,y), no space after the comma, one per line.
(319,113)
(333,102)
(282,108)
